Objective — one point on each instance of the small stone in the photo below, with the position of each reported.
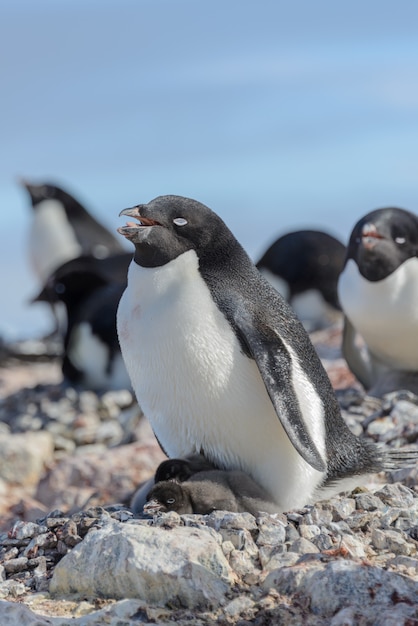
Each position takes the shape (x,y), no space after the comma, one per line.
(405,561)
(281,559)
(227,547)
(309,531)
(266,553)
(388,519)
(379,539)
(10,554)
(359,520)
(382,428)
(23,457)
(167,520)
(238,606)
(15,565)
(323,542)
(368,502)
(343,508)
(12,588)
(303,546)
(222,519)
(396,495)
(241,563)
(397,544)
(24,530)
(354,546)
(291,533)
(323,513)
(271,532)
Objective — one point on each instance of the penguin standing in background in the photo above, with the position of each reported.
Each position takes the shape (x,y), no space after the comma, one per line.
(63,229)
(378,291)
(90,290)
(222,367)
(304,266)
(209,491)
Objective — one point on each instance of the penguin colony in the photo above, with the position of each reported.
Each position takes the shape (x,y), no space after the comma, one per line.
(218,359)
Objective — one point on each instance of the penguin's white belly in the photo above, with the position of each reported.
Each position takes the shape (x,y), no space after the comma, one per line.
(51,239)
(198,390)
(384,312)
(91,357)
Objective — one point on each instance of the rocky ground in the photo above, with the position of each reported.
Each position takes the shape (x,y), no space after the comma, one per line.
(71,551)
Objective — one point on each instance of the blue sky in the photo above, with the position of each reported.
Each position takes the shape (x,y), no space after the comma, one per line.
(277,115)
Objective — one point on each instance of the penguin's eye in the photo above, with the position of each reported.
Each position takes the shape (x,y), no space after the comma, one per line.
(171,500)
(400,240)
(179,221)
(59,288)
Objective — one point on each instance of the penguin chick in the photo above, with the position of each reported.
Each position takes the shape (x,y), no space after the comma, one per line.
(171,469)
(304,266)
(222,367)
(181,469)
(378,291)
(92,357)
(208,491)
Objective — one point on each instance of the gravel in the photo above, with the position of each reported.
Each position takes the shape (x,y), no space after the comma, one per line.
(375,526)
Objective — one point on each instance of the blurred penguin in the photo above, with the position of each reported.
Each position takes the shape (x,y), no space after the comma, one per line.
(378,291)
(303,266)
(90,290)
(62,229)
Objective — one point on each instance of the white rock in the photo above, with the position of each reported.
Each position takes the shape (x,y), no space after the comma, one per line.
(329,588)
(23,457)
(180,565)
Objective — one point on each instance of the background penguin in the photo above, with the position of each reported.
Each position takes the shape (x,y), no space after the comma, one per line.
(63,229)
(304,266)
(222,367)
(205,492)
(91,291)
(378,291)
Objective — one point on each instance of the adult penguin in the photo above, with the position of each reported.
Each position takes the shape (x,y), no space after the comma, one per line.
(304,265)
(63,229)
(378,291)
(222,367)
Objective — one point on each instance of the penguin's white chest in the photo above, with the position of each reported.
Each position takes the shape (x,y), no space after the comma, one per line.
(384,312)
(52,241)
(197,388)
(91,356)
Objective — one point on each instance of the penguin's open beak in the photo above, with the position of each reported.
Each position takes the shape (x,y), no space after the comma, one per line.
(131,228)
(370,235)
(153,506)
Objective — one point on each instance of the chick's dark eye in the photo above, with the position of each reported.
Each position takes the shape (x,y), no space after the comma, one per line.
(400,240)
(179,221)
(171,500)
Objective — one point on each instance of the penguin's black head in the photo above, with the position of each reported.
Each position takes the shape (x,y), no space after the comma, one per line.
(41,192)
(46,191)
(168,226)
(167,496)
(382,240)
(178,469)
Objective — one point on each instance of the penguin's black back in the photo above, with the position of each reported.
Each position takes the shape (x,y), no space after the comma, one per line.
(306,259)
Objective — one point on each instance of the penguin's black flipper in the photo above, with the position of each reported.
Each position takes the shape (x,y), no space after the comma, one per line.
(274,362)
